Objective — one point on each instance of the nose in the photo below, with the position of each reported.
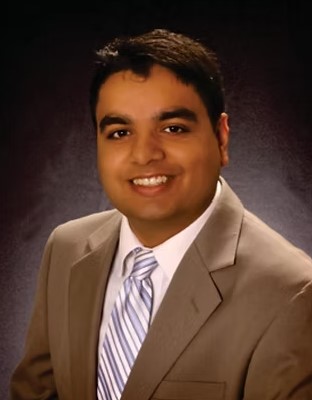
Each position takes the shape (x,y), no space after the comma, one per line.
(146,148)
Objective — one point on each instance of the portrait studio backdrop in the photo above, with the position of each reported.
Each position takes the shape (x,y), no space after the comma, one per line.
(48,148)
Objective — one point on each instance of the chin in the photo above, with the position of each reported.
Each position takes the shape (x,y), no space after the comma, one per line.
(149,214)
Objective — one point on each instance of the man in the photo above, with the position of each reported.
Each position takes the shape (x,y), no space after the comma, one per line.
(224,310)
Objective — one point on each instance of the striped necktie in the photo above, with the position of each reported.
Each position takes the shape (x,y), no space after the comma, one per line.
(127,328)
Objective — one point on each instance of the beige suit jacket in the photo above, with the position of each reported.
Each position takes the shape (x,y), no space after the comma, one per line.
(235,323)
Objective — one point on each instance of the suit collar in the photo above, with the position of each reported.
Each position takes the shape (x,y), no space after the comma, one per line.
(217,242)
(108,229)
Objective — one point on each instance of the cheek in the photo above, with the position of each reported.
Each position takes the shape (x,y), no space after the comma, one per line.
(110,169)
(104,164)
(204,169)
(201,158)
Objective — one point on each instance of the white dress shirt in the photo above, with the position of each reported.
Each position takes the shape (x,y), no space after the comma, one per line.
(168,255)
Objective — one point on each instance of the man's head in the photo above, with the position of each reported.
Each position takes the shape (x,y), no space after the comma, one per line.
(160,151)
(188,59)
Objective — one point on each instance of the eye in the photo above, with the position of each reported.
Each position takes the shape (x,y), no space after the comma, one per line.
(175,129)
(118,134)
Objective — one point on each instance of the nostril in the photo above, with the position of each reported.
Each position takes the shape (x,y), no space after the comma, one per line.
(147,151)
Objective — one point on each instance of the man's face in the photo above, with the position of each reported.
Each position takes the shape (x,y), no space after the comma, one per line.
(158,157)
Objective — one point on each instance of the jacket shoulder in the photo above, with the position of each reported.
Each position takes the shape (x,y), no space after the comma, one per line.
(262,237)
(82,228)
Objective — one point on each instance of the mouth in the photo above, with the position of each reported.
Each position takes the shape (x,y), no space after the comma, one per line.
(150,181)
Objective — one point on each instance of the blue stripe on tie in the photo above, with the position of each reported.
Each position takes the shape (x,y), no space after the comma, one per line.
(145,296)
(116,349)
(135,321)
(144,264)
(109,383)
(104,384)
(122,339)
(114,367)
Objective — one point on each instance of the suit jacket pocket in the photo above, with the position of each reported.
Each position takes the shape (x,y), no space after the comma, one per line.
(177,390)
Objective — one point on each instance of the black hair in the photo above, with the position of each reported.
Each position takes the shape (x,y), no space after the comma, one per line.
(191,61)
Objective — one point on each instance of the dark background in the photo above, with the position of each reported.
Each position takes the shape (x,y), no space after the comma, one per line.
(47,156)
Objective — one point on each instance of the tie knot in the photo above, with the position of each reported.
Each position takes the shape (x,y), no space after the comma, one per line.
(144,263)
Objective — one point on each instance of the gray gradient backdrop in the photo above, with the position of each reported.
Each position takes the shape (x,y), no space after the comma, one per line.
(48,168)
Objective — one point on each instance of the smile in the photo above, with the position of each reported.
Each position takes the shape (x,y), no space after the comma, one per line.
(151,181)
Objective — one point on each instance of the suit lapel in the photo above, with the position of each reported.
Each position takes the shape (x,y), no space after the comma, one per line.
(86,294)
(191,298)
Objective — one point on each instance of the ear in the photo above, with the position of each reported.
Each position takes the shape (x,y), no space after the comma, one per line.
(223,132)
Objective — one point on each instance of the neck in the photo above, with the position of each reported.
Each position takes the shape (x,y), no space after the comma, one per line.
(154,233)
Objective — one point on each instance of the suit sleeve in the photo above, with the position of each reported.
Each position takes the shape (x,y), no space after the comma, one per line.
(281,366)
(33,377)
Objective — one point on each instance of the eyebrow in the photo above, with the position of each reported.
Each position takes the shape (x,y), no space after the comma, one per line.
(113,119)
(181,112)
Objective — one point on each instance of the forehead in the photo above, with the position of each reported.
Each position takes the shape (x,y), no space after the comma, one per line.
(161,88)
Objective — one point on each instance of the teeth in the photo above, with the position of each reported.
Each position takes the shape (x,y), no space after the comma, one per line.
(153,181)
